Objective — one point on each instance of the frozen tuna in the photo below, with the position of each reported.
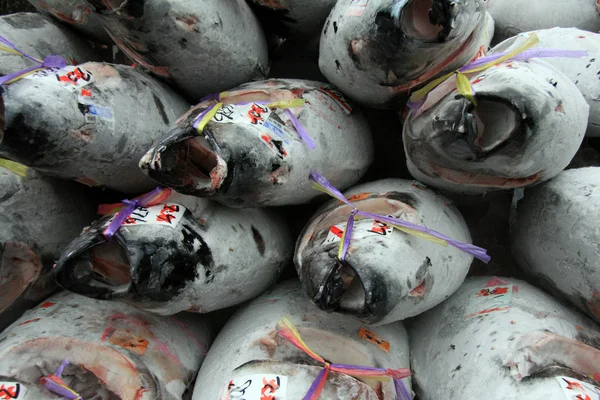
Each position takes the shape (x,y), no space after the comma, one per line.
(250,154)
(249,349)
(491,334)
(529,122)
(387,274)
(515,16)
(202,47)
(376,51)
(182,253)
(90,123)
(40,216)
(555,236)
(114,351)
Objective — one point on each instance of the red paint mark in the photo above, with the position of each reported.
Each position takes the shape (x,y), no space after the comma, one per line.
(86,93)
(166,214)
(269,389)
(106,333)
(47,304)
(578,328)
(371,337)
(580,37)
(360,196)
(255,114)
(512,322)
(494,292)
(10,392)
(596,376)
(495,281)
(477,80)
(29,321)
(337,231)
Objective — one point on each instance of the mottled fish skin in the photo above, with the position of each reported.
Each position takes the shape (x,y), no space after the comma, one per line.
(38,37)
(201,47)
(249,345)
(232,163)
(213,258)
(555,236)
(449,350)
(583,71)
(385,277)
(39,217)
(115,351)
(47,127)
(375,54)
(529,122)
(515,16)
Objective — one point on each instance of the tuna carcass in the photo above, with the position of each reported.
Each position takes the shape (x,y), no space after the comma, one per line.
(515,16)
(114,351)
(250,154)
(492,334)
(39,217)
(38,37)
(201,46)
(582,71)
(249,349)
(555,236)
(376,51)
(387,274)
(89,123)
(183,253)
(529,122)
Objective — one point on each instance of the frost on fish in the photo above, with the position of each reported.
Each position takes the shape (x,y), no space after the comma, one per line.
(89,123)
(115,351)
(555,236)
(388,275)
(376,51)
(250,155)
(39,217)
(529,122)
(184,254)
(249,345)
(501,338)
(201,47)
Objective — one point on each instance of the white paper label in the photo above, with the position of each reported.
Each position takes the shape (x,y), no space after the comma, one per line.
(488,300)
(256,387)
(168,214)
(12,391)
(357,7)
(70,77)
(577,390)
(364,225)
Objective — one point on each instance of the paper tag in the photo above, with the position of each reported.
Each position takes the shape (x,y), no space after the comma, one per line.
(338,98)
(163,214)
(251,113)
(256,387)
(357,7)
(577,390)
(12,391)
(364,225)
(489,300)
(70,77)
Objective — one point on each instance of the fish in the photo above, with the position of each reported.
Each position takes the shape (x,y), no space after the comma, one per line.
(518,341)
(387,274)
(249,348)
(200,49)
(581,70)
(39,37)
(104,350)
(39,216)
(377,51)
(516,16)
(554,239)
(251,154)
(528,124)
(182,254)
(90,123)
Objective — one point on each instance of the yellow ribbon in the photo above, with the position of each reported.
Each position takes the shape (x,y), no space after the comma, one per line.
(14,167)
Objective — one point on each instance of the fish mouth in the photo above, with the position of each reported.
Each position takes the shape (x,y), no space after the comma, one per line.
(421,21)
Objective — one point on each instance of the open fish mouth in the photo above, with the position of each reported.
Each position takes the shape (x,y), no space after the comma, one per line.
(417,20)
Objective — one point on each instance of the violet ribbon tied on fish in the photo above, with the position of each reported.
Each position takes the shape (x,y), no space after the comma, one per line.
(55,384)
(323,185)
(289,332)
(463,85)
(51,61)
(205,116)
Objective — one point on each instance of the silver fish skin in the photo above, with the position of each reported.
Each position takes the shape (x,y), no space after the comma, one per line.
(248,345)
(201,47)
(524,347)
(528,124)
(376,51)
(387,275)
(250,155)
(114,350)
(204,257)
(39,216)
(555,239)
(94,134)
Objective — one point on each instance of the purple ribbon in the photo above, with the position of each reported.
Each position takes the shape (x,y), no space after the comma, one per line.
(471,249)
(58,389)
(300,129)
(402,392)
(130,206)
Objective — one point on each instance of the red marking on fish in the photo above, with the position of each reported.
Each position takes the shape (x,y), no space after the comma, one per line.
(337,231)
(598,5)
(10,392)
(594,304)
(47,304)
(86,93)
(106,333)
(29,321)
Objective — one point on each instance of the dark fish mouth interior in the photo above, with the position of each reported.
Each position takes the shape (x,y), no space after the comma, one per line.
(416,22)
(496,123)
(353,297)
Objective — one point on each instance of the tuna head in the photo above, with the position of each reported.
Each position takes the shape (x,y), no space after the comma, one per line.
(528,124)
(387,274)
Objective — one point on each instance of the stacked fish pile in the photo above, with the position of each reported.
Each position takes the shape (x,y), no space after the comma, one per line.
(435,162)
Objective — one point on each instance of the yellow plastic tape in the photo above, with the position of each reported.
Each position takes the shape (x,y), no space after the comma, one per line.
(287,103)
(14,167)
(209,115)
